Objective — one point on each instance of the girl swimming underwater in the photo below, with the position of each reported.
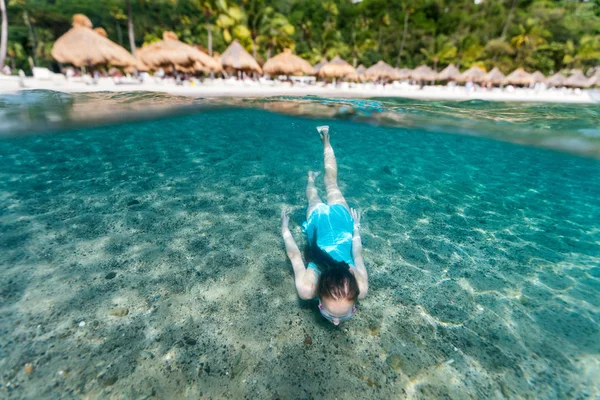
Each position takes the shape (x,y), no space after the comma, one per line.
(336,273)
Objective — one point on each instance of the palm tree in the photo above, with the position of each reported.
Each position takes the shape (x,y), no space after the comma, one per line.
(4,34)
(254,10)
(530,36)
(407,12)
(276,31)
(231,22)
(211,8)
(443,51)
(130,28)
(508,18)
(587,51)
(14,52)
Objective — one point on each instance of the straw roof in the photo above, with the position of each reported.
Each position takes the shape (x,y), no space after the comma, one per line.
(317,67)
(336,68)
(403,73)
(578,79)
(593,71)
(423,73)
(361,69)
(287,63)
(101,31)
(557,79)
(473,74)
(170,51)
(538,77)
(449,73)
(381,70)
(139,66)
(81,46)
(519,77)
(236,57)
(495,76)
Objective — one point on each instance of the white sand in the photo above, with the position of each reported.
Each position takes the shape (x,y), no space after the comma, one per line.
(220,88)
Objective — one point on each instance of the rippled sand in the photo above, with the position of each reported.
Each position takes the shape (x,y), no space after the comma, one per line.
(145,259)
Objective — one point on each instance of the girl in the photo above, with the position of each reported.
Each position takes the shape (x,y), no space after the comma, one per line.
(336,273)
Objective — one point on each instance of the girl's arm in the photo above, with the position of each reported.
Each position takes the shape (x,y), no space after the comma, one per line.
(303,278)
(362,278)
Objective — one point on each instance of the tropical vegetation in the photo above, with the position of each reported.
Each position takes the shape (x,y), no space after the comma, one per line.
(540,35)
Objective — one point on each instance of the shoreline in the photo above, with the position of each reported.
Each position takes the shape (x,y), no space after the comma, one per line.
(220,88)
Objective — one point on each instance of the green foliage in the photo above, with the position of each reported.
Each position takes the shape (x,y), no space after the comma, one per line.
(540,34)
(275,32)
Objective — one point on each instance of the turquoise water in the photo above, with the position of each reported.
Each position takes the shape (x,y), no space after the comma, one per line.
(144,258)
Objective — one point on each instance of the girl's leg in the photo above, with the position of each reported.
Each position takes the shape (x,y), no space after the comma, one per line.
(311,193)
(334,194)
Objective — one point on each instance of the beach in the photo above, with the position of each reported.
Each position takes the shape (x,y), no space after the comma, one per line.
(252,89)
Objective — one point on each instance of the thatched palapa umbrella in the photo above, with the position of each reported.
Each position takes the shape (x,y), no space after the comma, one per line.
(519,77)
(556,80)
(594,71)
(82,46)
(317,67)
(235,57)
(336,68)
(171,52)
(578,79)
(449,73)
(287,63)
(495,77)
(473,74)
(403,73)
(101,31)
(360,72)
(538,77)
(139,66)
(423,73)
(381,70)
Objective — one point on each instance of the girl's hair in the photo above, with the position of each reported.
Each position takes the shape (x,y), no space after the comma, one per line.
(336,281)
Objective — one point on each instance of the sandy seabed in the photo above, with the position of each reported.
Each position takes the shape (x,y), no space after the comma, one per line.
(144,260)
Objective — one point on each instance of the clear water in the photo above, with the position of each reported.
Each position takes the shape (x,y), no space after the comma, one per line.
(144,258)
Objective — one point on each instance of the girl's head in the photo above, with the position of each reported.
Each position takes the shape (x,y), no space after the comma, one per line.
(338,284)
(337,292)
(337,289)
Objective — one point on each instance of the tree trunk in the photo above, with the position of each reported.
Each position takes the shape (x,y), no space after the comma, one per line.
(254,48)
(209,30)
(32,36)
(130,28)
(403,39)
(3,34)
(508,18)
(119,33)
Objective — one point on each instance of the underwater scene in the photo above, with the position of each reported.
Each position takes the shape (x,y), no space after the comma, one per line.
(141,253)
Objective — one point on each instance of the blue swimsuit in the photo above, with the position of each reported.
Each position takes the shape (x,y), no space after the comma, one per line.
(334,225)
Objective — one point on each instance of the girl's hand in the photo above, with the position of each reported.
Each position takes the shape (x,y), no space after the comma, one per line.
(356,217)
(285,219)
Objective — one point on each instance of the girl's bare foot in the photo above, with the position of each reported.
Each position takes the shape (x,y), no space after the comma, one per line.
(324,133)
(312,175)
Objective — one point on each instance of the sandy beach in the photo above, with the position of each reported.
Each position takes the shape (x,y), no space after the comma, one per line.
(251,89)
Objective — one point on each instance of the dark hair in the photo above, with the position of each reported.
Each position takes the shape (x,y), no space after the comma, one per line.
(336,281)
